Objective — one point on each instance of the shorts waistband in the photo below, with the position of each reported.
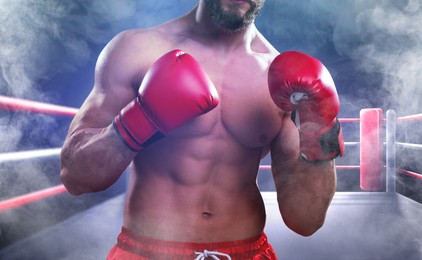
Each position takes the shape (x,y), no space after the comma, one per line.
(164,249)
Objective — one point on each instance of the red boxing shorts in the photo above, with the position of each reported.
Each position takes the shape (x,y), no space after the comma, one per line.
(135,247)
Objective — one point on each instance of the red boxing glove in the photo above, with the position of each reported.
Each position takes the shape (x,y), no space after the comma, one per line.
(301,83)
(174,90)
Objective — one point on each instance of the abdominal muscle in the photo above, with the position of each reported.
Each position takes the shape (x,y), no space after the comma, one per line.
(195,190)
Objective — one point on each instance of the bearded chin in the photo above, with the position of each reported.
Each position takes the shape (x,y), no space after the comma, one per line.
(231,21)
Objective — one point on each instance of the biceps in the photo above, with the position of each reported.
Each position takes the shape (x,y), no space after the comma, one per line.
(100,108)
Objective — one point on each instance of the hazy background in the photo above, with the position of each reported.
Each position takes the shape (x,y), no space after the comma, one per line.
(48,50)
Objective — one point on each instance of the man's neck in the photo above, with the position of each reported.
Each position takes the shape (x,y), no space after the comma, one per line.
(206,29)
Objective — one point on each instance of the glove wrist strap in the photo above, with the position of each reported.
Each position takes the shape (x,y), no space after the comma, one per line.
(135,128)
(323,145)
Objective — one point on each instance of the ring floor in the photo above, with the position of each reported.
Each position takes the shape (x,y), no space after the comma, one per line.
(358,226)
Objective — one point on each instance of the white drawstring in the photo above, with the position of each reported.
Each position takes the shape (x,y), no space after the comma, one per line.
(213,254)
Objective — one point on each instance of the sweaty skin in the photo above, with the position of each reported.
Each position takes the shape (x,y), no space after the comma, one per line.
(199,182)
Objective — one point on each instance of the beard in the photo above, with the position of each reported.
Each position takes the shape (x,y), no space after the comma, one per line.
(230,19)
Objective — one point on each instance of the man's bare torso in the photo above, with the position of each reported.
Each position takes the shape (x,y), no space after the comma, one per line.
(199,183)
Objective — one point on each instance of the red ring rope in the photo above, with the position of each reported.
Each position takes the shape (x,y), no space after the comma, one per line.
(349,120)
(415,146)
(15,104)
(410,173)
(410,118)
(338,167)
(30,197)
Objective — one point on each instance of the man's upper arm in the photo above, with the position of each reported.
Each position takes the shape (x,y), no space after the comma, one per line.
(117,76)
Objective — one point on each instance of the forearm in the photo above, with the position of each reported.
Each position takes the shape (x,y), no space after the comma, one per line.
(305,180)
(93,159)
(304,193)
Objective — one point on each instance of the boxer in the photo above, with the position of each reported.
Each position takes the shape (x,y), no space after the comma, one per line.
(192,106)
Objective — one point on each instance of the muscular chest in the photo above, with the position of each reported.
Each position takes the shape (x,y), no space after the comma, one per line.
(246,113)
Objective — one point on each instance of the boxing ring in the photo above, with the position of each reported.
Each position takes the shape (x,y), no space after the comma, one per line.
(376,222)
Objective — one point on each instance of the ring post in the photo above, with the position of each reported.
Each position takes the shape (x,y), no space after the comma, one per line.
(391,151)
(371,166)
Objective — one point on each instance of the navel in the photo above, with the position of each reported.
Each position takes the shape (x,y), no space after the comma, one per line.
(206,215)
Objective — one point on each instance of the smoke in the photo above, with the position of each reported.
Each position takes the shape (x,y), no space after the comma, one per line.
(387,39)
(41,38)
(376,43)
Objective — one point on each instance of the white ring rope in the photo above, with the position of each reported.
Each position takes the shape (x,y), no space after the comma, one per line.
(17,156)
(409,145)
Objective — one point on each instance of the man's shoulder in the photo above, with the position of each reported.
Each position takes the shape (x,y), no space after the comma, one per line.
(159,33)
(132,52)
(142,37)
(147,44)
